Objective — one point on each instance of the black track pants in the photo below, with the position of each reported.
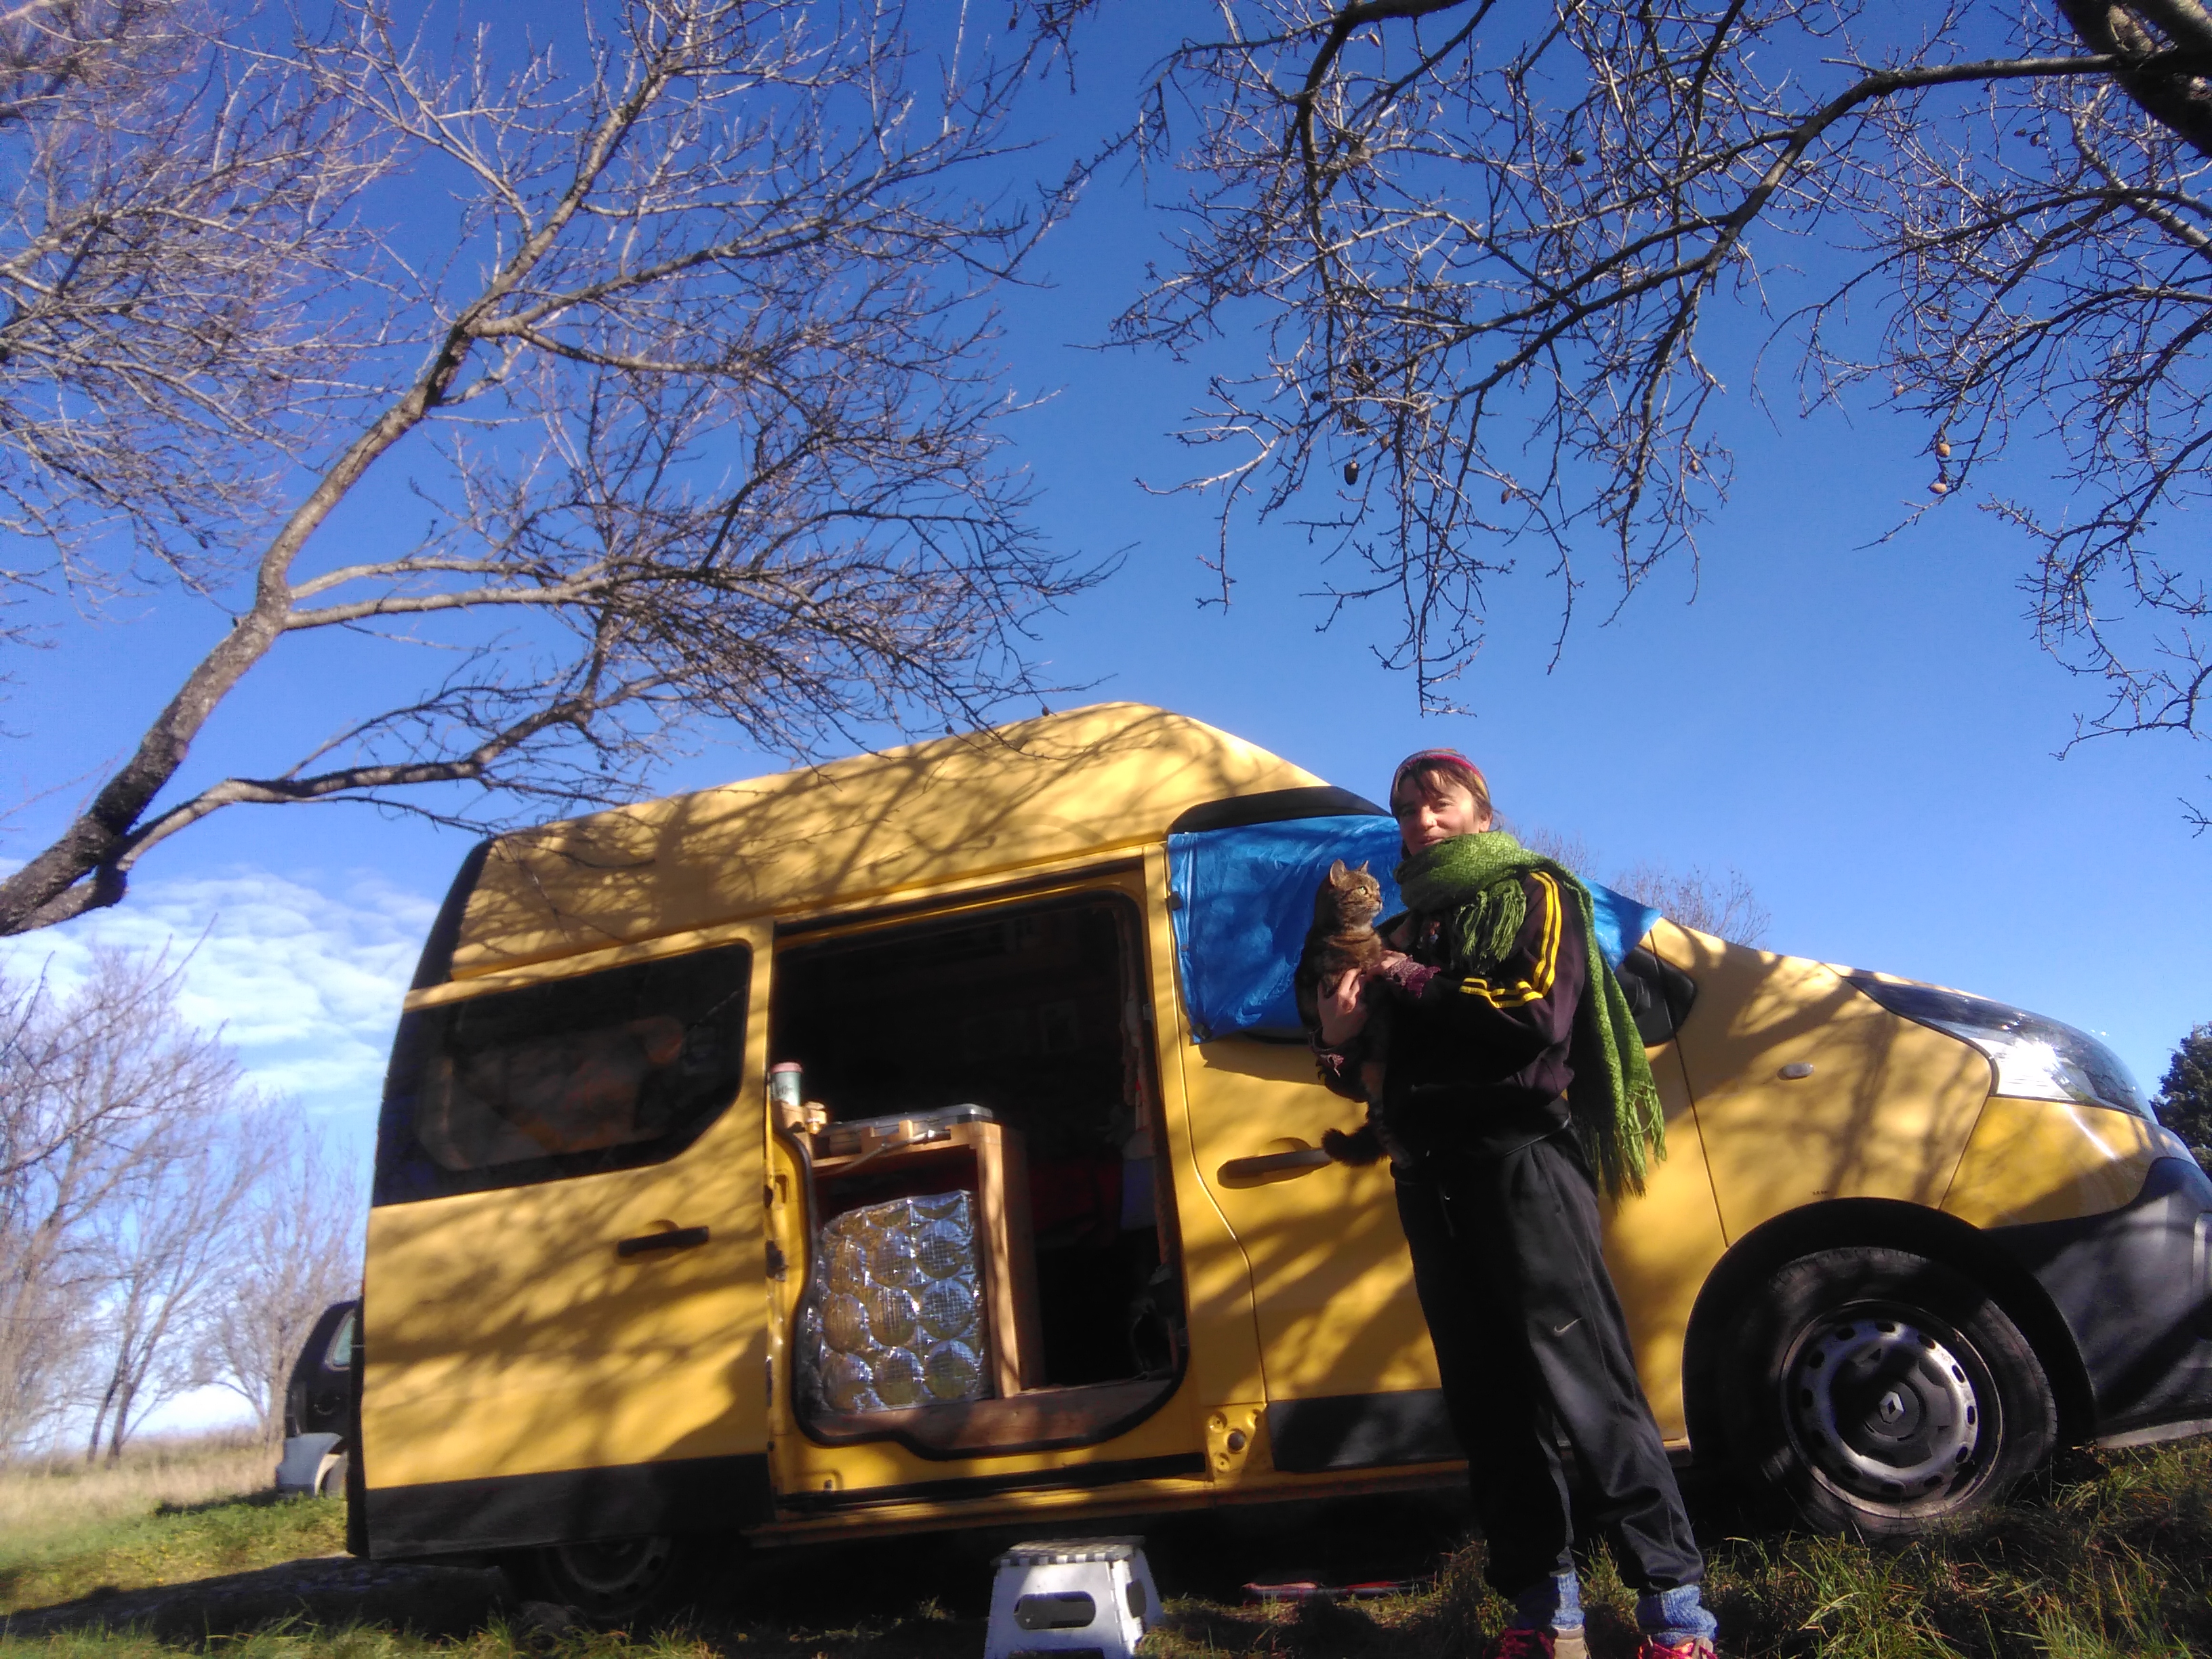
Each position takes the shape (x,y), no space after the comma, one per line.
(1528,1333)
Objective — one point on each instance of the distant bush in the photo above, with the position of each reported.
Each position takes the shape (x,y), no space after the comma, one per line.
(2185,1095)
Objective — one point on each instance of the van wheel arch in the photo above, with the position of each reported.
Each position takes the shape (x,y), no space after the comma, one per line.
(1882,1224)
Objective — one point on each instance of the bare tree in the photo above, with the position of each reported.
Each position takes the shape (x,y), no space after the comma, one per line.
(1724,905)
(1485,249)
(1569,851)
(168,1245)
(300,1249)
(688,370)
(86,1081)
(169,209)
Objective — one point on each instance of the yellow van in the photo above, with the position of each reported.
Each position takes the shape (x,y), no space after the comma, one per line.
(906,1144)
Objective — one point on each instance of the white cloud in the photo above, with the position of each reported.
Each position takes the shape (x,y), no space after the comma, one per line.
(302,973)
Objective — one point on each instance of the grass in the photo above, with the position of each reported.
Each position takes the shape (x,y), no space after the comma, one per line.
(172,1546)
(170,1512)
(2115,1561)
(55,1499)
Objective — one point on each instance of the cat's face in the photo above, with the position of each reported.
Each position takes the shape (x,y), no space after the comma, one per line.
(1357,896)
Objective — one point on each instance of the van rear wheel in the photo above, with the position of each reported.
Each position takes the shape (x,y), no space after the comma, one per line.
(613,1582)
(1880,1393)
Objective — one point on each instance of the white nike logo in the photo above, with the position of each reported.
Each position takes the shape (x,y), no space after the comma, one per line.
(1561,1330)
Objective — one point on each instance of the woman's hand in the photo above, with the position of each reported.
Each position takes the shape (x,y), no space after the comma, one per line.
(1343,1015)
(1388,960)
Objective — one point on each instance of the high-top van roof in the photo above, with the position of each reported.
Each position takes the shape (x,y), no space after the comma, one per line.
(1112,775)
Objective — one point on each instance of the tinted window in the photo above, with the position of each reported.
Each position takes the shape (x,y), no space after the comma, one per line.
(604,1071)
(340,1356)
(1659,995)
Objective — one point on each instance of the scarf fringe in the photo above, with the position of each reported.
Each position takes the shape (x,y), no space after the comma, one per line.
(1474,881)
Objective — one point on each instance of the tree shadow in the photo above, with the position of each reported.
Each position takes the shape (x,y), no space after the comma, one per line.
(421,1600)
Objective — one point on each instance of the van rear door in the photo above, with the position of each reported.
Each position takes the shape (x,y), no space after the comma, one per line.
(564,1317)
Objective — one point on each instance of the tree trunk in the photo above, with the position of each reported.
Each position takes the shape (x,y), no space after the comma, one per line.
(99,1423)
(119,1425)
(2179,98)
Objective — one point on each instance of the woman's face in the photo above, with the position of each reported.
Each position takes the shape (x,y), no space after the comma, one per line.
(1437,809)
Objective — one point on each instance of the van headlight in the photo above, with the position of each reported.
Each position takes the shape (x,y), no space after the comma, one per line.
(2034,1058)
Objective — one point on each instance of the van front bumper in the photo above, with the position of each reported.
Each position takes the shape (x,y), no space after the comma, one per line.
(2135,1288)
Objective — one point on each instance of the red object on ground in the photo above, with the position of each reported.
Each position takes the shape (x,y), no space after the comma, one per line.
(1304,1589)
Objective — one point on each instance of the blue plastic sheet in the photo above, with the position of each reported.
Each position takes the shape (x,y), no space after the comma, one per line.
(1245,901)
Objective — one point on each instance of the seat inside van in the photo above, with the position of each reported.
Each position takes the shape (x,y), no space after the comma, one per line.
(1033,1012)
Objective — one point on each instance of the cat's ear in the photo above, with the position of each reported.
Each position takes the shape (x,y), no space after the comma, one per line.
(1336,870)
(1362,867)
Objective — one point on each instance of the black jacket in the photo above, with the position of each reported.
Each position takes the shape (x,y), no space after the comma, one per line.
(1477,1067)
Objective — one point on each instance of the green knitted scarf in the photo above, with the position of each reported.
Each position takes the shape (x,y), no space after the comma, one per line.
(1473,883)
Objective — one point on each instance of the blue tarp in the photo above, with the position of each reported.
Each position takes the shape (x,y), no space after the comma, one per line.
(1245,900)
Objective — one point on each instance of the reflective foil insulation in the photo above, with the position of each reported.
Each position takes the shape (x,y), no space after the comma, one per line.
(897,1315)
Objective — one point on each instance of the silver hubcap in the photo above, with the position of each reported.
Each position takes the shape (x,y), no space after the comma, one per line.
(1883,1408)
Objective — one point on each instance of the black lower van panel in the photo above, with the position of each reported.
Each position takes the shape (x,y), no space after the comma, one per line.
(2135,1287)
(691,1494)
(1360,1430)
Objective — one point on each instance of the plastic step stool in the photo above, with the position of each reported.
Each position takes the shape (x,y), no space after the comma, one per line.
(1071,1595)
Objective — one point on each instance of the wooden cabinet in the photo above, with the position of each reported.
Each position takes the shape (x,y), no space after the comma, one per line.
(988,1159)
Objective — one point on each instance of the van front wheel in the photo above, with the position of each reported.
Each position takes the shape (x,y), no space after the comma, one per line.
(613,1582)
(1880,1393)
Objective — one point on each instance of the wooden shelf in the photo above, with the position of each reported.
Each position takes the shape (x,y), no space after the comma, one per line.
(1005,1243)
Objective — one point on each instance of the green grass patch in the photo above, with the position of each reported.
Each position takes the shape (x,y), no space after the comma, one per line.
(47,1501)
(2115,1562)
(172,1545)
(361,1643)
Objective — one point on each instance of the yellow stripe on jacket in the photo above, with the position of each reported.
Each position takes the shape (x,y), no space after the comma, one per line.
(1538,985)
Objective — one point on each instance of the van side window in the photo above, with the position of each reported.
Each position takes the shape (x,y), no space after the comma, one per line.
(339,1355)
(1659,995)
(571,1076)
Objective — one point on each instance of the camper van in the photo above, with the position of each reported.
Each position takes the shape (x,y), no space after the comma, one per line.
(925,1140)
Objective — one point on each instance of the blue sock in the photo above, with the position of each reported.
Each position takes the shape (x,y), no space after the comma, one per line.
(1676,1616)
(1553,1603)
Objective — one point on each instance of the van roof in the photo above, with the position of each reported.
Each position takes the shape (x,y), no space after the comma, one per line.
(1111,776)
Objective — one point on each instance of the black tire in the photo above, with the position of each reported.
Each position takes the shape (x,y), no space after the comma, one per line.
(1878,1393)
(617,1583)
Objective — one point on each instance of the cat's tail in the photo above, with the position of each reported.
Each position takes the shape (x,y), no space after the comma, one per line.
(1362,1147)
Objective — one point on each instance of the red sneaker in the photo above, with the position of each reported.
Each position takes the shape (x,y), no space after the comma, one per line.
(1697,1647)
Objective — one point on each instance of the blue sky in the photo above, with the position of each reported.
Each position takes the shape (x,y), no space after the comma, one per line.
(1864,728)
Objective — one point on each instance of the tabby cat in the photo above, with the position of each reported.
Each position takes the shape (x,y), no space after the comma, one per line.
(1342,937)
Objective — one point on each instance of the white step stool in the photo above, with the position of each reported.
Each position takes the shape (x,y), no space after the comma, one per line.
(1077,1595)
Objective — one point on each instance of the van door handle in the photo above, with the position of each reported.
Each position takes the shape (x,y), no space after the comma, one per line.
(677,1239)
(1273,1166)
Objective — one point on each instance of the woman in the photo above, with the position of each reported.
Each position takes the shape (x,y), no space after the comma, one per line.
(1515,1079)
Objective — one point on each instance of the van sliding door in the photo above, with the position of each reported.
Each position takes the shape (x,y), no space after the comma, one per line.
(990,1120)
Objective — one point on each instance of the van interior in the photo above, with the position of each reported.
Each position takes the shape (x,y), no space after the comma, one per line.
(1035,1012)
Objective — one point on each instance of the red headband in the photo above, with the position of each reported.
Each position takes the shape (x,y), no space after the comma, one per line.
(1448,760)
